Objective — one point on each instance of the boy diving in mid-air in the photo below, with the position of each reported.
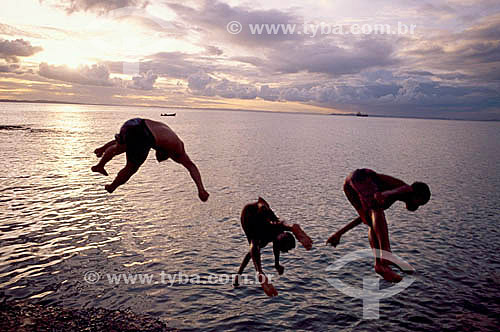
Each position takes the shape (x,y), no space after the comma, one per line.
(262,226)
(137,136)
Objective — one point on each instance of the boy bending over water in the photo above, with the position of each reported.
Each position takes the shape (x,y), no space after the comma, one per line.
(371,193)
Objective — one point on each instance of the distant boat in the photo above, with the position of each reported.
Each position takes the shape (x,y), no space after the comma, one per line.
(361,114)
(168,114)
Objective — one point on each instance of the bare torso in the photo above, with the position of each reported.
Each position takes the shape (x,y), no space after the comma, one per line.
(257,228)
(361,186)
(165,138)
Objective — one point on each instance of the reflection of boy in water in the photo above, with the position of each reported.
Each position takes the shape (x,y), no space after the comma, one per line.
(371,193)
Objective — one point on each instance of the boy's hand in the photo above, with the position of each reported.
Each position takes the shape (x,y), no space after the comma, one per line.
(203,195)
(109,188)
(333,240)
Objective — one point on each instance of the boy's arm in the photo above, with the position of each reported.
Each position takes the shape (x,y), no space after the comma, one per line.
(335,238)
(396,189)
(277,265)
(184,160)
(299,234)
(390,182)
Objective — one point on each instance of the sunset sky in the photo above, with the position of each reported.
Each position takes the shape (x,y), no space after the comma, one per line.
(168,53)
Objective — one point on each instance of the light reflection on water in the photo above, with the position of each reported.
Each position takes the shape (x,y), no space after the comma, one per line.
(57,222)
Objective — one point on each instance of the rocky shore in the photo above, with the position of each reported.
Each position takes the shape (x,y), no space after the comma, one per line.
(22,316)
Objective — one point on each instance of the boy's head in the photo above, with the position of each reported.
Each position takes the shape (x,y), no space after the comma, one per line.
(420,196)
(285,241)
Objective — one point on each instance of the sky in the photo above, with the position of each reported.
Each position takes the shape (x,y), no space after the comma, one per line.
(415,58)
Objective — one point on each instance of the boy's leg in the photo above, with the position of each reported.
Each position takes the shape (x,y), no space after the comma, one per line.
(112,150)
(383,270)
(100,151)
(122,176)
(382,235)
(244,264)
(375,246)
(379,225)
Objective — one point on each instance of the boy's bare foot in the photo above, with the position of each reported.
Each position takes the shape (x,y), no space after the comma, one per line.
(268,288)
(302,236)
(98,169)
(396,262)
(389,275)
(403,267)
(99,152)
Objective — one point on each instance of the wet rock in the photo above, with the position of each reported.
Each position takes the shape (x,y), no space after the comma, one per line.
(23,316)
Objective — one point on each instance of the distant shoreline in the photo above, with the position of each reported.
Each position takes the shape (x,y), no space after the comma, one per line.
(57,102)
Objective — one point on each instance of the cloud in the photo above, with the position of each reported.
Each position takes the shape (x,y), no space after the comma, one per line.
(10,30)
(441,11)
(97,6)
(474,51)
(281,52)
(10,50)
(198,81)
(426,99)
(253,60)
(172,64)
(96,74)
(213,50)
(328,58)
(203,85)
(448,66)
(11,68)
(487,29)
(213,16)
(144,81)
(269,94)
(381,92)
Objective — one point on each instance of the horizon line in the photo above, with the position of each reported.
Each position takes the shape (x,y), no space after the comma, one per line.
(43,101)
